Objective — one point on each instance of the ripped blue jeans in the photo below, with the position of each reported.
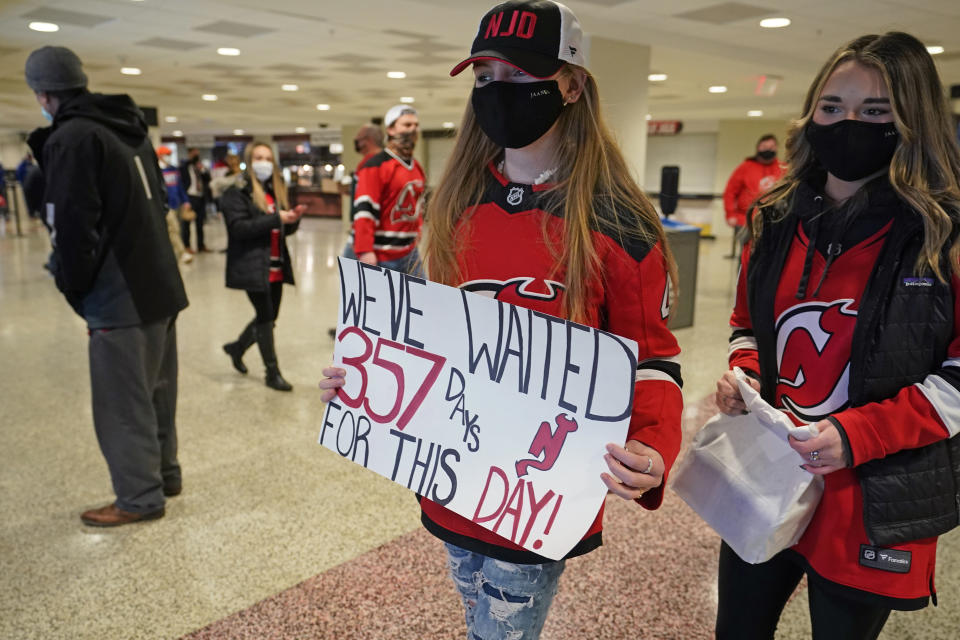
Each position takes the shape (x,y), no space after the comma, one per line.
(503,600)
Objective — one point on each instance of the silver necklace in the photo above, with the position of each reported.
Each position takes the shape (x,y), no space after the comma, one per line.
(543,177)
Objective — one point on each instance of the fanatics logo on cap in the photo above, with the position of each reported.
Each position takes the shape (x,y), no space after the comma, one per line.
(536,36)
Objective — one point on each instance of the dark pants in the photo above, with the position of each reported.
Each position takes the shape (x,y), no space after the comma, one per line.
(266,304)
(752,597)
(199,205)
(133,383)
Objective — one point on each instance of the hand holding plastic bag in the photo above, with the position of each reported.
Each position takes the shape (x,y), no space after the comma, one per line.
(741,476)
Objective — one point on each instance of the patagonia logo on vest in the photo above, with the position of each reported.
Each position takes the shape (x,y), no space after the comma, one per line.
(918,282)
(521,25)
(894,560)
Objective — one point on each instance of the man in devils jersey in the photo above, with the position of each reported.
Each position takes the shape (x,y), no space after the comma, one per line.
(386,205)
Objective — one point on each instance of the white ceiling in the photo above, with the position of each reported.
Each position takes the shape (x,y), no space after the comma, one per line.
(338,52)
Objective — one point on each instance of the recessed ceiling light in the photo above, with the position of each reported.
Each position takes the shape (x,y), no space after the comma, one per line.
(301,129)
(657,77)
(210,97)
(649,117)
(228,51)
(934,49)
(719,88)
(46,27)
(775,23)
(407,99)
(171,119)
(178,133)
(323,107)
(130,71)
(449,125)
(290,87)
(396,75)
(238,132)
(754,113)
(328,167)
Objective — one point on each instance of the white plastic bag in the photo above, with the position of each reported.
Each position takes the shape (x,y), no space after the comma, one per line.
(741,476)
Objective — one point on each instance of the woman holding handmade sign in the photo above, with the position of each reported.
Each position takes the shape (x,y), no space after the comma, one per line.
(537,208)
(847,316)
(258,220)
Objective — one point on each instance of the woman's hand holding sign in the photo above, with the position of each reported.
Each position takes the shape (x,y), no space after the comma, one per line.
(636,469)
(333,381)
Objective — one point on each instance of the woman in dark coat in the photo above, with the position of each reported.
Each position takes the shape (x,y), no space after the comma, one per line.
(258,220)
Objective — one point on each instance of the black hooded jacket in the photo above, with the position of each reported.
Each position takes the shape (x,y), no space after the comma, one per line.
(105,195)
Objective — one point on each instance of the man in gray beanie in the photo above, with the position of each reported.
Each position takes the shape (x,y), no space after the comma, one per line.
(112,260)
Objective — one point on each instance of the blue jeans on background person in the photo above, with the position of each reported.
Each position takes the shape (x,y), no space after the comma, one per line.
(503,599)
(409,263)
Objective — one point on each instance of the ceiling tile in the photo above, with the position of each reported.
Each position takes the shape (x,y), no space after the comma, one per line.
(408,34)
(357,69)
(227,28)
(170,43)
(62,16)
(426,60)
(725,12)
(350,58)
(427,47)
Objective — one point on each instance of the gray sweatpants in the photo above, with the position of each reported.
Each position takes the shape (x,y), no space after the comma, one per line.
(133,381)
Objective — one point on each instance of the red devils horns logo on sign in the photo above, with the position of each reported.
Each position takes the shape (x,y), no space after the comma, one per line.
(407,207)
(522,287)
(813,357)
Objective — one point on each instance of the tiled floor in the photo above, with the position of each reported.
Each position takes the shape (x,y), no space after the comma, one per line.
(277,537)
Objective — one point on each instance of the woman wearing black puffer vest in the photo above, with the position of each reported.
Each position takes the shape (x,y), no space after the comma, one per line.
(258,220)
(848,317)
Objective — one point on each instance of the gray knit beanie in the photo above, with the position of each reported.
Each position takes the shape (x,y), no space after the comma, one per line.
(54,69)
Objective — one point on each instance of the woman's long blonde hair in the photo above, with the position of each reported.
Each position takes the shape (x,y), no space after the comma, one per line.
(926,164)
(592,179)
(279,186)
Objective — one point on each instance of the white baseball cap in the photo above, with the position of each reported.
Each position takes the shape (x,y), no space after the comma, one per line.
(395,112)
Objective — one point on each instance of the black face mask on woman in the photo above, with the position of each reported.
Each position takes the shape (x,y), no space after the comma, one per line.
(515,114)
(852,150)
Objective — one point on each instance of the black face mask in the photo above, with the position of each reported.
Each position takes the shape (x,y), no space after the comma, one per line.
(767,155)
(356,147)
(852,150)
(515,114)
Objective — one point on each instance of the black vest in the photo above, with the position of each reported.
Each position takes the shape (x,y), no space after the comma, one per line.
(901,335)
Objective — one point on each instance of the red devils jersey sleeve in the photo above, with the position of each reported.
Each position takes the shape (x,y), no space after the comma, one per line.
(637,307)
(743,345)
(366,206)
(916,416)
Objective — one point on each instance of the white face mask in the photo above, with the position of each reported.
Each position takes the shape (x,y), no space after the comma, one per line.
(263,169)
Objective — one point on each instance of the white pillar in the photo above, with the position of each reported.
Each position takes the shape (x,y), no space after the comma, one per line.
(621,70)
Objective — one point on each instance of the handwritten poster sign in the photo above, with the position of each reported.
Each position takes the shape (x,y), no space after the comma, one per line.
(495,411)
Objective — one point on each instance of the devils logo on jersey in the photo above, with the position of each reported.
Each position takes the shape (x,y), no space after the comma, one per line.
(407,207)
(813,357)
(522,287)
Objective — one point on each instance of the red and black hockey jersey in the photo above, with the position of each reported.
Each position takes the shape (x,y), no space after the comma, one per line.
(813,341)
(504,255)
(386,206)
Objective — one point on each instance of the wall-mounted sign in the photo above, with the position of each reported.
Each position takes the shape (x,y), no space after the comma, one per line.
(664,127)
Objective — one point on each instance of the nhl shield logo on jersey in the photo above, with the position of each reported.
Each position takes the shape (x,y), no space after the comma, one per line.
(813,357)
(515,196)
